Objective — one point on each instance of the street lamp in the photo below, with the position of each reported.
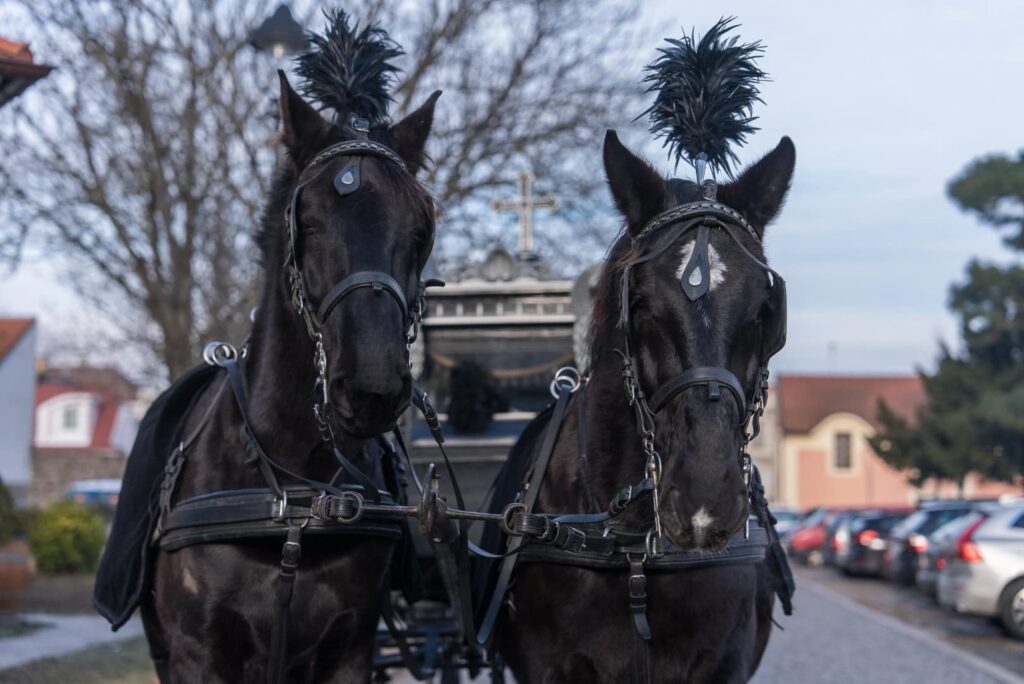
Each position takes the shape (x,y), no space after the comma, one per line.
(280,34)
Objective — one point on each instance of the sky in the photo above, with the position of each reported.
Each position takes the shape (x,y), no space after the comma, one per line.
(885,103)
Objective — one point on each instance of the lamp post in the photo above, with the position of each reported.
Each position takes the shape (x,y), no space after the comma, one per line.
(279,35)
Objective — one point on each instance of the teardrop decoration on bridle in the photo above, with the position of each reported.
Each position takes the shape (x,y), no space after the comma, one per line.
(696,277)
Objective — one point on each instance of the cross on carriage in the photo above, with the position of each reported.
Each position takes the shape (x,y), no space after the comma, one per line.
(271,517)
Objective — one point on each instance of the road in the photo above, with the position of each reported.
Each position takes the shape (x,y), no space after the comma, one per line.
(864,631)
(833,638)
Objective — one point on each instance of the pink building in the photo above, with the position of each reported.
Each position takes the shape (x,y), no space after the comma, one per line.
(823,456)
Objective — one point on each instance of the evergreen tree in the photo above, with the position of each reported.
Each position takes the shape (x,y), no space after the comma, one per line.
(973,417)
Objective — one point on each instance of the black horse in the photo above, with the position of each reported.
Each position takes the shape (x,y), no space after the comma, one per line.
(568,624)
(210,613)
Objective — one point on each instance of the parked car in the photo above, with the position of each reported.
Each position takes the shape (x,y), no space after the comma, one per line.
(102,493)
(788,519)
(862,541)
(983,572)
(804,543)
(931,562)
(837,534)
(910,537)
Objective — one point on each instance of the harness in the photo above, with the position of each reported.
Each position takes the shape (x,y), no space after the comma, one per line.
(605,540)
(355,507)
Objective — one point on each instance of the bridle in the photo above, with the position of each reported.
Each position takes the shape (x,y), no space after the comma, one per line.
(703,216)
(346,182)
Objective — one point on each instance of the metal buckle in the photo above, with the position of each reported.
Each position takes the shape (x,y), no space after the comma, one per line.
(653,545)
(280,506)
(575,540)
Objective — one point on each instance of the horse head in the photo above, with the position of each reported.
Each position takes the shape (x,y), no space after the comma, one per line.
(701,319)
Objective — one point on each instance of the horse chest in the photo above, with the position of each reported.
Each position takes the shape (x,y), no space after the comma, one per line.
(703,622)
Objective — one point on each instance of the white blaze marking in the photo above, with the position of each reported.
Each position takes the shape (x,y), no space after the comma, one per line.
(701,521)
(715,265)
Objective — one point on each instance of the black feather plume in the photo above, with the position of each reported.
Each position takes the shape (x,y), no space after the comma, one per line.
(706,91)
(349,70)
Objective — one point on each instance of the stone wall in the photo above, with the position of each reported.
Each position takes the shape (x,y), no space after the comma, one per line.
(54,470)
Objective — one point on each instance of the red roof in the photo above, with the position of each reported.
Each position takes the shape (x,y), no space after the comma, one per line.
(107,385)
(13,50)
(12,330)
(805,400)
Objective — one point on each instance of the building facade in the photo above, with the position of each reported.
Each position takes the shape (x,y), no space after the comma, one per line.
(17,389)
(85,424)
(823,456)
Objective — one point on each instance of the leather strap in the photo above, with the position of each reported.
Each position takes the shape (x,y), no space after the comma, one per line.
(641,628)
(714,377)
(267,466)
(535,479)
(377,280)
(277,665)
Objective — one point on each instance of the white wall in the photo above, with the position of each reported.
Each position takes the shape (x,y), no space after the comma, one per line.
(51,430)
(17,403)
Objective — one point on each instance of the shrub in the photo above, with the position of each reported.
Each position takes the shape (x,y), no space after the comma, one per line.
(9,522)
(66,537)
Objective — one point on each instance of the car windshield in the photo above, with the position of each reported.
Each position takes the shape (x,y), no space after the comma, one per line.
(955,527)
(816,517)
(937,519)
(909,523)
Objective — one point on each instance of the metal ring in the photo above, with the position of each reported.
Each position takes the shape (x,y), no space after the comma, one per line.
(506,517)
(216,353)
(357,501)
(567,377)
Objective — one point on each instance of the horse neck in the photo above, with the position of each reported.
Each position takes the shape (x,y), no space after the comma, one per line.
(613,442)
(280,375)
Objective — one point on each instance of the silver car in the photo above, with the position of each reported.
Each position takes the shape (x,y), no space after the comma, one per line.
(983,569)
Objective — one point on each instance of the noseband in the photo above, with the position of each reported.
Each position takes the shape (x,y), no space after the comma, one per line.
(315,317)
(702,216)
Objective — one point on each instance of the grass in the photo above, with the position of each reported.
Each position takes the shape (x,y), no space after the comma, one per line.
(125,662)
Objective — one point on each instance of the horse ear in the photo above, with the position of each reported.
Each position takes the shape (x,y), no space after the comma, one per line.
(409,136)
(302,128)
(639,191)
(760,191)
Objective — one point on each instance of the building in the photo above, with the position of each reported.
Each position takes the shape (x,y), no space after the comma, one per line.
(85,424)
(822,455)
(17,389)
(17,69)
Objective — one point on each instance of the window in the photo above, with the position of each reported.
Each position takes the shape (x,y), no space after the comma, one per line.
(70,418)
(843,456)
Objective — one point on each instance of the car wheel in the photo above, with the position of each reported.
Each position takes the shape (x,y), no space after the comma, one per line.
(1011,608)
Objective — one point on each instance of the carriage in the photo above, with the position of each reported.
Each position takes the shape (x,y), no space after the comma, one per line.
(271,518)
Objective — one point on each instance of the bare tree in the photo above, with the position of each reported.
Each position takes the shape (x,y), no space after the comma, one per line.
(143,160)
